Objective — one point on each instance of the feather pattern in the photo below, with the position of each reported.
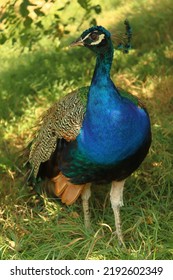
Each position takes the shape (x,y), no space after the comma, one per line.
(62,120)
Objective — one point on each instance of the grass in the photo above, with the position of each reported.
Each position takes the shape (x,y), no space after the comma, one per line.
(33,227)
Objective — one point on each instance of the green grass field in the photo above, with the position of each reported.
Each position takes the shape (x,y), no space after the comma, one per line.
(38,227)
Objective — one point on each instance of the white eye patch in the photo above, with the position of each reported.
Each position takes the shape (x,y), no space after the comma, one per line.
(100,38)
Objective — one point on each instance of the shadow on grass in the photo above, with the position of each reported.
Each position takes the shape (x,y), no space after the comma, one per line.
(27,75)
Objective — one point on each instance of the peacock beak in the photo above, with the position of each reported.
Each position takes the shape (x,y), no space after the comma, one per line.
(78,42)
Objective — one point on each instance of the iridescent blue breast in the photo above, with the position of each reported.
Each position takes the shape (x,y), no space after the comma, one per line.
(113,128)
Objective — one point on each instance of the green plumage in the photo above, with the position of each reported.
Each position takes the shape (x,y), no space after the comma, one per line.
(131,97)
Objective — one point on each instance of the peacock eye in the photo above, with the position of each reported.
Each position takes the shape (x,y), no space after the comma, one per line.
(94,36)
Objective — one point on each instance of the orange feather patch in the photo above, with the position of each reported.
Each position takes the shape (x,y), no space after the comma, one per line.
(67,191)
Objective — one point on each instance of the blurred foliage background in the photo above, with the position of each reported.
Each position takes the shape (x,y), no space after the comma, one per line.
(28,21)
(37,68)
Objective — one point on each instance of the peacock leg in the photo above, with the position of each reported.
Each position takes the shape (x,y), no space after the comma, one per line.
(116,197)
(85,202)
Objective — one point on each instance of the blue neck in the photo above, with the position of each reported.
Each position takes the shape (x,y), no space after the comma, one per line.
(103,93)
(103,66)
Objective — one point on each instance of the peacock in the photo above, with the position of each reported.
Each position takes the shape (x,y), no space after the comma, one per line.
(96,134)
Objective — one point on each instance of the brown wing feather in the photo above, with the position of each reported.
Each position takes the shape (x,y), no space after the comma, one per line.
(62,120)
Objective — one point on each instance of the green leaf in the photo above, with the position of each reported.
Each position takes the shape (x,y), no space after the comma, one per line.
(66,31)
(93,22)
(38,12)
(61,9)
(39,24)
(57,16)
(85,4)
(24,8)
(97,9)
(27,22)
(3,38)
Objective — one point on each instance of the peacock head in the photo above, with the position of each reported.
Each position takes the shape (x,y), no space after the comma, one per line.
(96,38)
